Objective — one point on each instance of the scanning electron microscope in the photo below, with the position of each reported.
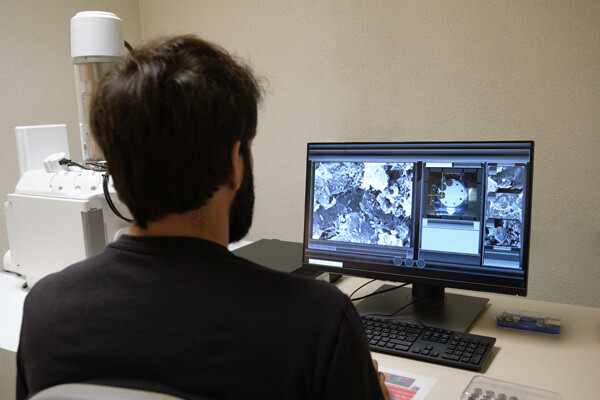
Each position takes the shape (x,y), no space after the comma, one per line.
(62,212)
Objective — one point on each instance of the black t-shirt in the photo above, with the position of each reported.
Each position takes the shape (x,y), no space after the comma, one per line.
(186,317)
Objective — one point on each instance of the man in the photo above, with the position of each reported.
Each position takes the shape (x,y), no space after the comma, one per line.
(167,307)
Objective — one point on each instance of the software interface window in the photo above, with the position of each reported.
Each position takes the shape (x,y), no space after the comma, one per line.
(446,207)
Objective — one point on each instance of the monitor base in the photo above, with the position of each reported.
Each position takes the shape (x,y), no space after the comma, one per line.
(440,310)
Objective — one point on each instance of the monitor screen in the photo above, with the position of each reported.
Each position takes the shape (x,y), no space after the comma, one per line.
(446,214)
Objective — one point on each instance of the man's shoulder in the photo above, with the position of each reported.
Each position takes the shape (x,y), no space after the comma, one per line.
(304,292)
(64,279)
(286,278)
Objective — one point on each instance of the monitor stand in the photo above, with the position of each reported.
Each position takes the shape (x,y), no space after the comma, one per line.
(428,305)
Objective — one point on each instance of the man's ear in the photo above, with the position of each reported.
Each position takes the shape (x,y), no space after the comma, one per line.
(237,166)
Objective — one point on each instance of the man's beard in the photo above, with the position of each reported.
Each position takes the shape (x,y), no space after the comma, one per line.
(242,207)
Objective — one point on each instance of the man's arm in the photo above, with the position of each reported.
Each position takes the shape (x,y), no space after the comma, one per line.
(351,372)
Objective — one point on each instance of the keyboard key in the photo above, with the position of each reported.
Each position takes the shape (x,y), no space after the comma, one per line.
(451,357)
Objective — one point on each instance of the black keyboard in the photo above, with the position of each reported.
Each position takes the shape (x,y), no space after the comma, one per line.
(440,346)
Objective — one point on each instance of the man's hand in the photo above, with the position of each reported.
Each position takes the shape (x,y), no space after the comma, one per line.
(381,376)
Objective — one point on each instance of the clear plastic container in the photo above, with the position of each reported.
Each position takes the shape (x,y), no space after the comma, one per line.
(483,388)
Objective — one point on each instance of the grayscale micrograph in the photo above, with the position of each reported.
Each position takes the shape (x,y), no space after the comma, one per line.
(503,233)
(365,203)
(505,205)
(506,178)
(504,208)
(505,191)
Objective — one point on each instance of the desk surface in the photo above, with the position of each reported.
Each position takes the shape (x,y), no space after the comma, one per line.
(567,363)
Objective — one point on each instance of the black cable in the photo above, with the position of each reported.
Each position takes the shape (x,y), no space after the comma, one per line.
(99,168)
(128,46)
(398,310)
(380,292)
(360,287)
(69,163)
(109,200)
(403,307)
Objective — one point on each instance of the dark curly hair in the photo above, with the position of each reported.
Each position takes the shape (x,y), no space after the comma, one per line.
(167,121)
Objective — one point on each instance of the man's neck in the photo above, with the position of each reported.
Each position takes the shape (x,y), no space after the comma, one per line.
(210,222)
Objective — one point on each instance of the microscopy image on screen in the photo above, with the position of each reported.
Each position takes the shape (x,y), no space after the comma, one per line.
(505,233)
(505,191)
(365,203)
(452,194)
(506,178)
(505,206)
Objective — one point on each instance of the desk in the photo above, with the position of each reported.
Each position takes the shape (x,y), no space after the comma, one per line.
(567,363)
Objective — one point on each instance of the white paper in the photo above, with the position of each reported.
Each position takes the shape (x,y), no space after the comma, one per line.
(406,385)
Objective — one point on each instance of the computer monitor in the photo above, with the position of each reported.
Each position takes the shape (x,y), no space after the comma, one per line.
(435,215)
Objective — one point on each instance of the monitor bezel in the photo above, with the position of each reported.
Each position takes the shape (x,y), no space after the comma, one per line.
(454,280)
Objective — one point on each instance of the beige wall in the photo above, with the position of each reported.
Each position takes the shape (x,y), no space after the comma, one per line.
(425,70)
(369,70)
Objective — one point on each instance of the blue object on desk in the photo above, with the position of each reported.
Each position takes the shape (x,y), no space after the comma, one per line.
(529,321)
